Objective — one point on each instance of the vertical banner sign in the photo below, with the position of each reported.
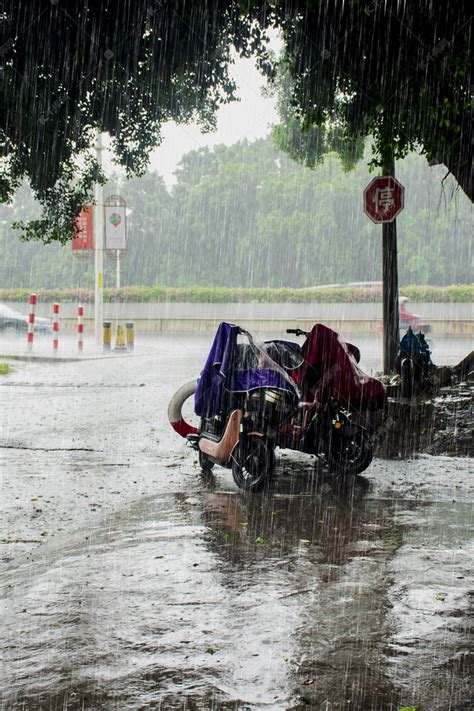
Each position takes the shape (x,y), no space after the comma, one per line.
(83,233)
(115,224)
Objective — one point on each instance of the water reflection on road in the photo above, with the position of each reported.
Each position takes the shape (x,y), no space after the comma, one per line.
(211,599)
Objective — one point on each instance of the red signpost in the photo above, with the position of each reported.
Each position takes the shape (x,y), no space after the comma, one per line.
(383,199)
(55,327)
(31,322)
(80,327)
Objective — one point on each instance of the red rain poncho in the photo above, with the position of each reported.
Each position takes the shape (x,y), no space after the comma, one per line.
(331,370)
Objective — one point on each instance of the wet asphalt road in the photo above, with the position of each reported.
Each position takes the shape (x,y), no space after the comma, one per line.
(131,581)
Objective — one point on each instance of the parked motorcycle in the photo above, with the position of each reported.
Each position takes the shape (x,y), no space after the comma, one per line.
(414,363)
(253,397)
(333,390)
(242,396)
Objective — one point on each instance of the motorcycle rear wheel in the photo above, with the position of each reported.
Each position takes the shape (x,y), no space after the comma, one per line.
(253,463)
(352,455)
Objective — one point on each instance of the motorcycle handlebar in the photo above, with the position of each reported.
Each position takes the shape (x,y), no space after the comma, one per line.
(297,331)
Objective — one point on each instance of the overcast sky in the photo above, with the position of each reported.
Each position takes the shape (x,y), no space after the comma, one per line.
(251,118)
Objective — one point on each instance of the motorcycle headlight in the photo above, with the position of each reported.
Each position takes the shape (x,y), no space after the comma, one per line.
(273,396)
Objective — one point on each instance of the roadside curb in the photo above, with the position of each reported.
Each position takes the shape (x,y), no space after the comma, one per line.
(68,359)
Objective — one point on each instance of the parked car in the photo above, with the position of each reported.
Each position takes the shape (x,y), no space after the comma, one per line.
(15,322)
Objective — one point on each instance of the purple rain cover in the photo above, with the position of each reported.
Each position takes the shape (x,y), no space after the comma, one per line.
(217,369)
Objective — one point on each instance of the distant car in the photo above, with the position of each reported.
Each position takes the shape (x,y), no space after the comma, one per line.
(15,322)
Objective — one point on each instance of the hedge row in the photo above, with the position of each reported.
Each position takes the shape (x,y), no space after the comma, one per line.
(440,294)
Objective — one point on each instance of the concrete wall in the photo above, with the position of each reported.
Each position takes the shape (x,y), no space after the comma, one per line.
(445,319)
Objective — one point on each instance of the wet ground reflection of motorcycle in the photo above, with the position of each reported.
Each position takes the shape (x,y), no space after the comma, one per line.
(322,557)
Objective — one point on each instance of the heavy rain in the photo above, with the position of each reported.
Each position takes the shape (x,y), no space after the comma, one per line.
(236,362)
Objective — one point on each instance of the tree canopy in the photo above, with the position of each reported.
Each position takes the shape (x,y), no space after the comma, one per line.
(123,67)
(249,216)
(396,70)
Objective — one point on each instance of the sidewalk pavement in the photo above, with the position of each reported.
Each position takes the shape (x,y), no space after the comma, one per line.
(14,347)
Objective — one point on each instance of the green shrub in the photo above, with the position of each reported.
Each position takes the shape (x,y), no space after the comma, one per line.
(204,294)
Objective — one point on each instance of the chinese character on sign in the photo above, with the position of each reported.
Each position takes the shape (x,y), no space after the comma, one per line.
(81,229)
(83,237)
(383,199)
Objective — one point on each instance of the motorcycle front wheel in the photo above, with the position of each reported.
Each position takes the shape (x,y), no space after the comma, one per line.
(407,376)
(205,462)
(253,462)
(351,454)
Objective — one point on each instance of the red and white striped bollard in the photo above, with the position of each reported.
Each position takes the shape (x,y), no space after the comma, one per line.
(55,327)
(80,328)
(31,322)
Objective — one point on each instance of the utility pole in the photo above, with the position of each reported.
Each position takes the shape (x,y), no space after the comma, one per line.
(98,250)
(391,325)
(391,332)
(117,271)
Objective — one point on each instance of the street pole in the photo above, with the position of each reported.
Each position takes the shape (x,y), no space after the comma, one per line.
(98,250)
(118,270)
(390,285)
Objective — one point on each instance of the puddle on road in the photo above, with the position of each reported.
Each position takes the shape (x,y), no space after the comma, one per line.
(214,599)
(431,646)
